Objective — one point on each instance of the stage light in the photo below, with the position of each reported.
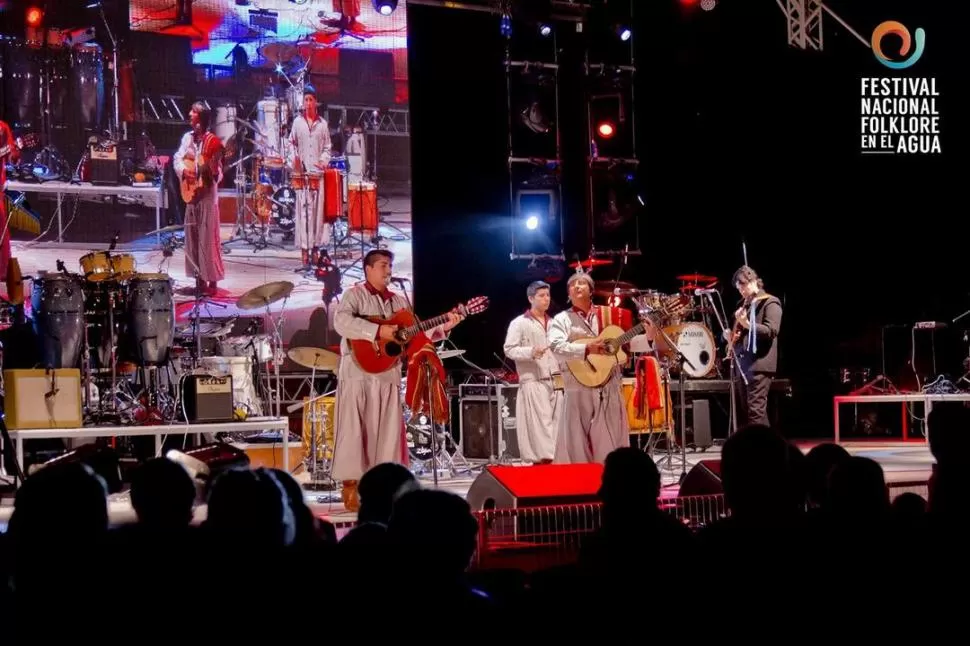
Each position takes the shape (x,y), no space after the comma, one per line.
(606,129)
(34,17)
(385,7)
(532,222)
(623,32)
(545,29)
(708,5)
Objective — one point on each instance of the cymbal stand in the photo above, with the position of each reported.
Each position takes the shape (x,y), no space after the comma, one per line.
(277,347)
(197,325)
(732,386)
(668,460)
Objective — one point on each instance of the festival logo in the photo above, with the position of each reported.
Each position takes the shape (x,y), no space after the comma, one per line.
(893,27)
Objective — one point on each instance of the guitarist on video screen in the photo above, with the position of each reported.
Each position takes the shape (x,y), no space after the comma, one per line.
(9,153)
(198,165)
(594,420)
(369,427)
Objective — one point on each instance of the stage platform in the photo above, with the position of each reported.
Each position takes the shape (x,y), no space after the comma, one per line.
(904,463)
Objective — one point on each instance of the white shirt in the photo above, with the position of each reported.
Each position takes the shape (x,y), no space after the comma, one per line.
(525,334)
(309,142)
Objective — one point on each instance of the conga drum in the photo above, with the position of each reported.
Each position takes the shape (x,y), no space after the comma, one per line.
(362,207)
(333,194)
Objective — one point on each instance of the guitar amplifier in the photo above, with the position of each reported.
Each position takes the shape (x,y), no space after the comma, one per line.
(105,167)
(208,398)
(481,437)
(42,398)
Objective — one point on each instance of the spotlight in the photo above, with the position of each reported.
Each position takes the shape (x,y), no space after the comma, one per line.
(623,32)
(34,16)
(532,223)
(606,129)
(545,29)
(708,5)
(385,7)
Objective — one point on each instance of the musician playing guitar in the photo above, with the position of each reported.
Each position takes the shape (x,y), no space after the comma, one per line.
(9,153)
(755,343)
(369,427)
(594,420)
(198,165)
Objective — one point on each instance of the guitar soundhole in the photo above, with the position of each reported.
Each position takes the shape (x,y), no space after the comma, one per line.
(392,349)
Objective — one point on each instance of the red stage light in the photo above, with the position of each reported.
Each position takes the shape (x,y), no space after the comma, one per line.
(606,129)
(34,17)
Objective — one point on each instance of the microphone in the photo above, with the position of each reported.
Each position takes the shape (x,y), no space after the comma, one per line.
(114,241)
(701,292)
(399,279)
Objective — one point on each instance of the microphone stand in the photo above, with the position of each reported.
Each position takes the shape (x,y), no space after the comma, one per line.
(735,366)
(668,459)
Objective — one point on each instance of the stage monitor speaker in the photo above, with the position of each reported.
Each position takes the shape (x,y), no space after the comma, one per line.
(703,480)
(499,487)
(541,494)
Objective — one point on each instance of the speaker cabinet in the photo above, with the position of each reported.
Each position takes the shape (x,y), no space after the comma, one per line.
(481,438)
(703,480)
(544,497)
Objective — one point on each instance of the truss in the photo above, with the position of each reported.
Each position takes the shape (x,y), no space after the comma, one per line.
(804,23)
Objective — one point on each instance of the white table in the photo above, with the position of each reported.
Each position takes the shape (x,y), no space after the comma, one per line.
(149,196)
(250,425)
(927,400)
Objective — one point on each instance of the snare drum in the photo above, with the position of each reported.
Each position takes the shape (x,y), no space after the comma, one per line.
(246,346)
(362,207)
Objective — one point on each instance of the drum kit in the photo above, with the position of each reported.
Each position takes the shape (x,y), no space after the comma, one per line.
(266,192)
(683,319)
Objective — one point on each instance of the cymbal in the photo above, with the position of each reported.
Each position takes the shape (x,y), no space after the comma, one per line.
(606,287)
(265,295)
(697,278)
(314,358)
(278,51)
(589,263)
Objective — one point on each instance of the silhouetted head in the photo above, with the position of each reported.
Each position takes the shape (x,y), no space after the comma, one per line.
(819,464)
(630,479)
(64,504)
(949,424)
(858,489)
(379,487)
(439,526)
(251,504)
(162,493)
(761,473)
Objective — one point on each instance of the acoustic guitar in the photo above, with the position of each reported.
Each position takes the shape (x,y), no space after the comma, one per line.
(596,369)
(195,178)
(377,356)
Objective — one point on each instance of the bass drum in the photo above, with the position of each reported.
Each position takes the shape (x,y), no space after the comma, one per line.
(418,433)
(696,342)
(284,209)
(58,309)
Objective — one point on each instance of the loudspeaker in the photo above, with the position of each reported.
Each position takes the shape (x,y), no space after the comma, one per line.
(475,407)
(702,423)
(499,487)
(541,495)
(703,480)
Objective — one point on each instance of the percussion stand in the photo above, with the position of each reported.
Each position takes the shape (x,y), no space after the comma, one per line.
(197,325)
(668,460)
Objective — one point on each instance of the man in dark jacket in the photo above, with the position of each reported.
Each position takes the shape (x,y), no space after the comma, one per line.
(756,345)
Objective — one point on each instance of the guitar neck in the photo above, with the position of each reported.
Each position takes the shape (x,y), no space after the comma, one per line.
(627,336)
(424,326)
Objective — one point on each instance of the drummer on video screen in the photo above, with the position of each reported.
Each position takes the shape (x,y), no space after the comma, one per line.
(308,155)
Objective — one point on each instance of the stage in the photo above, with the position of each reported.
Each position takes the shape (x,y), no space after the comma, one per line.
(907,467)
